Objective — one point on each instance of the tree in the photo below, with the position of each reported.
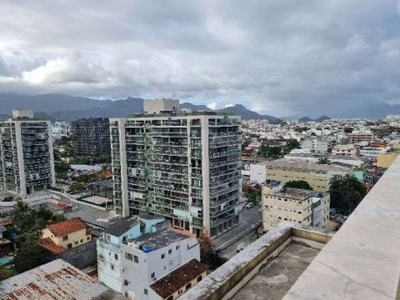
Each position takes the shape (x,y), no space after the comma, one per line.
(6,272)
(299,184)
(206,246)
(346,193)
(29,254)
(292,144)
(324,161)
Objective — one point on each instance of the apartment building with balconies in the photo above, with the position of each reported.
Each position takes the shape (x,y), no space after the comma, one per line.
(26,154)
(90,136)
(183,166)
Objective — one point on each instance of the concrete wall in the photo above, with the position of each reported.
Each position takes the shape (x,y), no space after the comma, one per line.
(80,257)
(276,209)
(258,173)
(362,260)
(385,160)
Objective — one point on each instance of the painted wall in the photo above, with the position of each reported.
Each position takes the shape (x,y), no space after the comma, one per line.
(75,238)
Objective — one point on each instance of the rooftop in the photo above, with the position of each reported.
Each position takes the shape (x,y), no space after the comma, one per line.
(362,260)
(121,226)
(303,165)
(160,239)
(57,280)
(49,245)
(177,279)
(277,277)
(67,227)
(292,193)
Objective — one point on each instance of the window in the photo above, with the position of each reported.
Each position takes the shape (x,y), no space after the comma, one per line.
(88,238)
(188,286)
(81,240)
(65,238)
(126,282)
(163,256)
(146,292)
(136,259)
(200,278)
(128,256)
(153,275)
(112,267)
(169,251)
(177,247)
(76,243)
(116,256)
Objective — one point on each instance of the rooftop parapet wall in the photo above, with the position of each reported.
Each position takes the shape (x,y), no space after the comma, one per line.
(227,280)
(362,261)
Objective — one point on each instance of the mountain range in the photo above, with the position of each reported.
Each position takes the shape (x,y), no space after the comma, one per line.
(61,107)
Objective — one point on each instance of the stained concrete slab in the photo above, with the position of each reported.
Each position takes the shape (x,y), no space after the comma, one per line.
(275,279)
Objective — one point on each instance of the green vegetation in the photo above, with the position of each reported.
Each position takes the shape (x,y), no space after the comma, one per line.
(278,151)
(299,184)
(27,224)
(253,196)
(346,193)
(324,161)
(208,255)
(92,160)
(6,272)
(8,199)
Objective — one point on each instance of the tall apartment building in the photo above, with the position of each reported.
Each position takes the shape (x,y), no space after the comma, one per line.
(26,152)
(295,205)
(185,167)
(91,136)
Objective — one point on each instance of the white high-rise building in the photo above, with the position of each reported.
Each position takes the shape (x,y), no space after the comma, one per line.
(26,154)
(185,167)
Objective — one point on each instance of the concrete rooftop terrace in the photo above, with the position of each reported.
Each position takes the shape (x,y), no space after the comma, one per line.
(275,280)
(362,261)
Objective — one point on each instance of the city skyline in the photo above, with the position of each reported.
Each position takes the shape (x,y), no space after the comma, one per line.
(274,58)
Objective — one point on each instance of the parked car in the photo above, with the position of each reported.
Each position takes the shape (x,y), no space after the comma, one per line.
(249,205)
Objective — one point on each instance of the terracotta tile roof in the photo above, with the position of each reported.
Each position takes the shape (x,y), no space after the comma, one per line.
(48,244)
(6,222)
(66,227)
(177,279)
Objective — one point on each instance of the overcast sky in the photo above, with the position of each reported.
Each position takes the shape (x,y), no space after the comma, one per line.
(279,57)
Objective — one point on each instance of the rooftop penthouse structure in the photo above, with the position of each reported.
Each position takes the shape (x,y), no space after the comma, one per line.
(183,166)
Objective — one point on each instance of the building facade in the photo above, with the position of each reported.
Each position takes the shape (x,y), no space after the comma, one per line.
(67,234)
(133,257)
(360,136)
(345,150)
(185,167)
(295,205)
(91,136)
(26,155)
(316,145)
(317,175)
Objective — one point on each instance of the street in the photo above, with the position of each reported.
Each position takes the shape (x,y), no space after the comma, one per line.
(249,218)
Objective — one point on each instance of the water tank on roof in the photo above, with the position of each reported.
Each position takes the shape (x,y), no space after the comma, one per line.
(147,249)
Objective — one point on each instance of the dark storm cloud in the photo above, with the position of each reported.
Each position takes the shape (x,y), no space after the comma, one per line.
(277,57)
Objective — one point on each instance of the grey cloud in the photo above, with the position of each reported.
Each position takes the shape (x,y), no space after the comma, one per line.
(277,57)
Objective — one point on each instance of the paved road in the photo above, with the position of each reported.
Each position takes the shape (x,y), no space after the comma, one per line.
(232,250)
(248,218)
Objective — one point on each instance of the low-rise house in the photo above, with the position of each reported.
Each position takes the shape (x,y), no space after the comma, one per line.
(65,235)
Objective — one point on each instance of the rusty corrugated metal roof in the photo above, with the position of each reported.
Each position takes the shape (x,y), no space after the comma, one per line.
(56,280)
